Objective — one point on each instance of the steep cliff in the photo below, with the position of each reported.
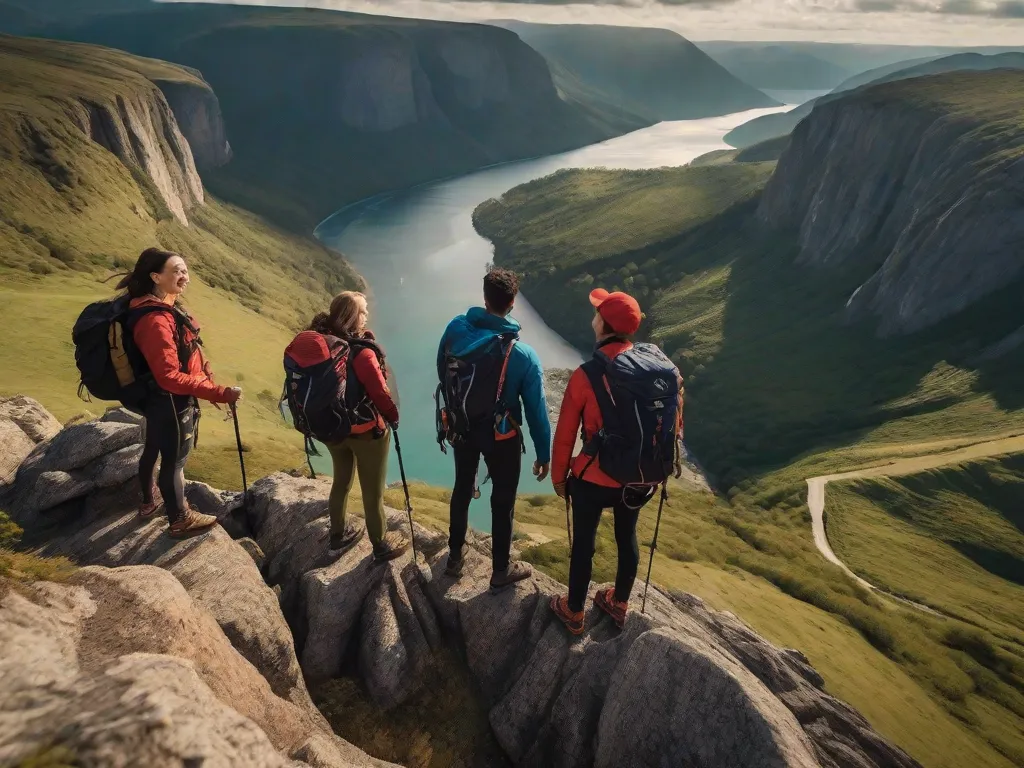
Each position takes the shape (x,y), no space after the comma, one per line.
(324,108)
(654,73)
(197,110)
(112,100)
(781,124)
(918,184)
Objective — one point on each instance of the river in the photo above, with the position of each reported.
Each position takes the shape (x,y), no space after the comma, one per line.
(419,252)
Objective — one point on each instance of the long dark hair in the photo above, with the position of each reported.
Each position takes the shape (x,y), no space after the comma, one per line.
(138,282)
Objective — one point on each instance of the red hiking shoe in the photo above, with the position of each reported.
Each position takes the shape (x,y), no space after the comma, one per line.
(605,600)
(573,620)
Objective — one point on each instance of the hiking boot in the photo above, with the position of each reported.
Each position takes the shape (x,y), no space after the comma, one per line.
(516,571)
(573,620)
(391,546)
(190,523)
(148,508)
(453,567)
(605,600)
(348,538)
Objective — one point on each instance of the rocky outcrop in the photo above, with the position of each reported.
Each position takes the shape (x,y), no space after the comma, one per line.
(919,184)
(197,110)
(207,662)
(24,423)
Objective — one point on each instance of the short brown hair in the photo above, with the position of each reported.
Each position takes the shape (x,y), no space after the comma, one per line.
(501,286)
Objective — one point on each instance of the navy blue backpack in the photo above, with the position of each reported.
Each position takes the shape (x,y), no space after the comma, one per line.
(638,394)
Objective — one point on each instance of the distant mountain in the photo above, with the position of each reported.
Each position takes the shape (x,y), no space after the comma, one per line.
(775,67)
(772,126)
(325,108)
(654,73)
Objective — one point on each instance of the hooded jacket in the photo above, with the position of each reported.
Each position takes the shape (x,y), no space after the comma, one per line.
(524,380)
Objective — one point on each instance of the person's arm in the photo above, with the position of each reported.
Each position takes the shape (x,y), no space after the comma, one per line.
(154,336)
(367,369)
(536,407)
(569,419)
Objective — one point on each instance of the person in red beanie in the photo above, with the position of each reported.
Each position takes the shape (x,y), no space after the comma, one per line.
(592,486)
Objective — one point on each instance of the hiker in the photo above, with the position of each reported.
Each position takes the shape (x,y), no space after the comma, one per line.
(487,376)
(624,457)
(168,338)
(371,415)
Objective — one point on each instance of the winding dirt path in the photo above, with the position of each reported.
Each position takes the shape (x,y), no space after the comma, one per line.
(816,494)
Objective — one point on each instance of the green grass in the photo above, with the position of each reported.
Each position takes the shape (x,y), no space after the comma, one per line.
(780,389)
(952,538)
(71,214)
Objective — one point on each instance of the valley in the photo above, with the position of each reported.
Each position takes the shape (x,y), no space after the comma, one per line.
(842,299)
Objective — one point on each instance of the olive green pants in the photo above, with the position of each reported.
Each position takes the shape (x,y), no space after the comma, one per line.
(369,457)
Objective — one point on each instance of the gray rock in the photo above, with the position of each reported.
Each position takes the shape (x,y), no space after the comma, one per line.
(253,550)
(15,446)
(80,444)
(115,468)
(37,492)
(30,417)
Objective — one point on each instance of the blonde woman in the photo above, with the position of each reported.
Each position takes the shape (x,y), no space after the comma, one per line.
(366,450)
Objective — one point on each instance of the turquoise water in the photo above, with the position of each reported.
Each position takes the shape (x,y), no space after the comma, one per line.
(424,262)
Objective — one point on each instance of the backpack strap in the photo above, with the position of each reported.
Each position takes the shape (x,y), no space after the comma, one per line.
(181,322)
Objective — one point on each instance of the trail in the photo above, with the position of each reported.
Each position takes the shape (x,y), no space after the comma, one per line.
(816,495)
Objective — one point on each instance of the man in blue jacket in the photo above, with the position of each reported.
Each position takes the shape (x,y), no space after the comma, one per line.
(506,371)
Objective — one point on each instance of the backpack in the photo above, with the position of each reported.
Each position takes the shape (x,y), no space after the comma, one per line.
(469,397)
(322,392)
(111,365)
(638,394)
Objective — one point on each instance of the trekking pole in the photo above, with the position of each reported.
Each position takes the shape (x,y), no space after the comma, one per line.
(241,459)
(654,544)
(405,486)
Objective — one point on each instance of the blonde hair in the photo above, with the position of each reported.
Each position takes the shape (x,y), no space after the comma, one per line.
(343,317)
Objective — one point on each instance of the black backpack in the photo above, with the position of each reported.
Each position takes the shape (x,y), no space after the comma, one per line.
(322,392)
(111,366)
(469,397)
(638,394)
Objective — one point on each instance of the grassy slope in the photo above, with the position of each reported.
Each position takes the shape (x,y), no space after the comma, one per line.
(779,390)
(281,78)
(72,214)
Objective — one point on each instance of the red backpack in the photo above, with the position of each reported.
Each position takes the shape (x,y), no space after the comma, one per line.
(323,394)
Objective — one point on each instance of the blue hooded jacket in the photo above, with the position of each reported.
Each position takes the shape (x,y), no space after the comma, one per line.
(524,379)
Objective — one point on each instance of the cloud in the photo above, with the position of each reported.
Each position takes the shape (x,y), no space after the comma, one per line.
(996,9)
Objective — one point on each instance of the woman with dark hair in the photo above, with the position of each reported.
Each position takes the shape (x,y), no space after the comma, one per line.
(169,340)
(366,449)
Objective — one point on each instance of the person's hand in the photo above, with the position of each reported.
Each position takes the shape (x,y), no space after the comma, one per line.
(541,470)
(678,469)
(560,489)
(233,395)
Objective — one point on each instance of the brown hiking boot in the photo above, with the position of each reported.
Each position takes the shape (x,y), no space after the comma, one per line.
(190,523)
(148,508)
(573,620)
(393,545)
(605,600)
(348,538)
(454,565)
(516,571)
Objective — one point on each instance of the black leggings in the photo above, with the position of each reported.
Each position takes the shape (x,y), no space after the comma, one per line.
(503,461)
(588,502)
(171,423)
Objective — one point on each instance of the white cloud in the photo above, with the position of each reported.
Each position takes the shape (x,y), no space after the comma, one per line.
(909,22)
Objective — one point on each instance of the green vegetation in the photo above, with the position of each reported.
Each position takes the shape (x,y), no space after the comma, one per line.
(952,538)
(779,389)
(443,725)
(71,214)
(383,103)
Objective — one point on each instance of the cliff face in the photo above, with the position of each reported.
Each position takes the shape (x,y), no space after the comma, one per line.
(918,181)
(197,110)
(325,107)
(54,91)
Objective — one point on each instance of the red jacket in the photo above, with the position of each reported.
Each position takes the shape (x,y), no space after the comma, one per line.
(367,369)
(155,335)
(580,406)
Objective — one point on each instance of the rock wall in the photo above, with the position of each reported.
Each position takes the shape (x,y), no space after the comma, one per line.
(197,110)
(183,651)
(925,195)
(140,129)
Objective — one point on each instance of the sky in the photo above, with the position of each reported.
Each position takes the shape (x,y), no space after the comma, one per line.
(910,22)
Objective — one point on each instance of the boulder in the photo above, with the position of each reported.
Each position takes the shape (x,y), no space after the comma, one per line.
(120,667)
(24,423)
